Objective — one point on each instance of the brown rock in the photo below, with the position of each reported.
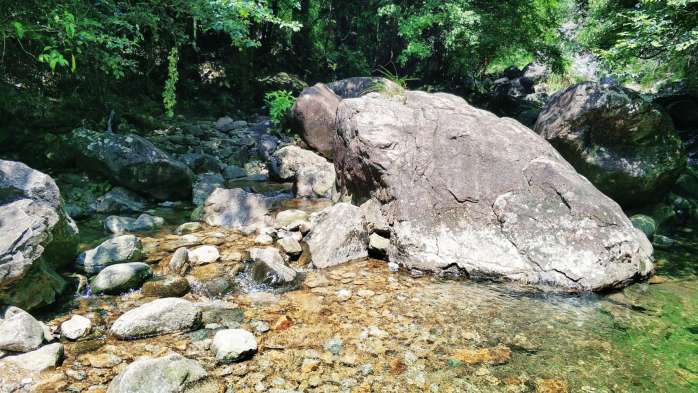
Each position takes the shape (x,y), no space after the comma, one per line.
(496,355)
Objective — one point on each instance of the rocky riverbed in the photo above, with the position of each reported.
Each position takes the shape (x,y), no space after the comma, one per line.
(360,327)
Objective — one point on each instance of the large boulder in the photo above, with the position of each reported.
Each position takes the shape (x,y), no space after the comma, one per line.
(235,209)
(467,192)
(339,235)
(314,115)
(315,109)
(313,175)
(170,374)
(36,237)
(625,145)
(133,162)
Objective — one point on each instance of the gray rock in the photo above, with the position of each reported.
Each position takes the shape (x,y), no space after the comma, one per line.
(264,239)
(161,316)
(39,360)
(144,223)
(169,374)
(313,175)
(19,331)
(118,201)
(204,185)
(269,267)
(125,248)
(201,163)
(287,217)
(314,117)
(133,162)
(120,278)
(179,263)
(232,172)
(290,246)
(378,244)
(339,235)
(203,255)
(233,345)
(375,222)
(37,237)
(235,209)
(626,146)
(466,190)
(188,227)
(76,327)
(225,124)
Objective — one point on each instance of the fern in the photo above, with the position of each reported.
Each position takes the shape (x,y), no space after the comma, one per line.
(279,103)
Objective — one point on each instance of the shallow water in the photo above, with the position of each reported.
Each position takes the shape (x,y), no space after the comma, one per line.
(359,328)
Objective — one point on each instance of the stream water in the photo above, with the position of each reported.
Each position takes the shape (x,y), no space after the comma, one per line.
(360,328)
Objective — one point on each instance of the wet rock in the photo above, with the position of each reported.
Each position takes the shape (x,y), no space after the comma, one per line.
(338,236)
(179,262)
(233,345)
(378,245)
(625,145)
(76,327)
(290,246)
(288,217)
(222,314)
(313,175)
(334,346)
(235,209)
(161,316)
(495,355)
(37,237)
(479,202)
(188,227)
(169,374)
(118,201)
(39,360)
(101,360)
(551,386)
(204,185)
(19,331)
(269,267)
(125,248)
(644,223)
(201,163)
(120,278)
(170,286)
(144,223)
(203,255)
(133,162)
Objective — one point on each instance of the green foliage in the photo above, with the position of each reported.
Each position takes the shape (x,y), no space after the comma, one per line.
(279,103)
(646,42)
(169,96)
